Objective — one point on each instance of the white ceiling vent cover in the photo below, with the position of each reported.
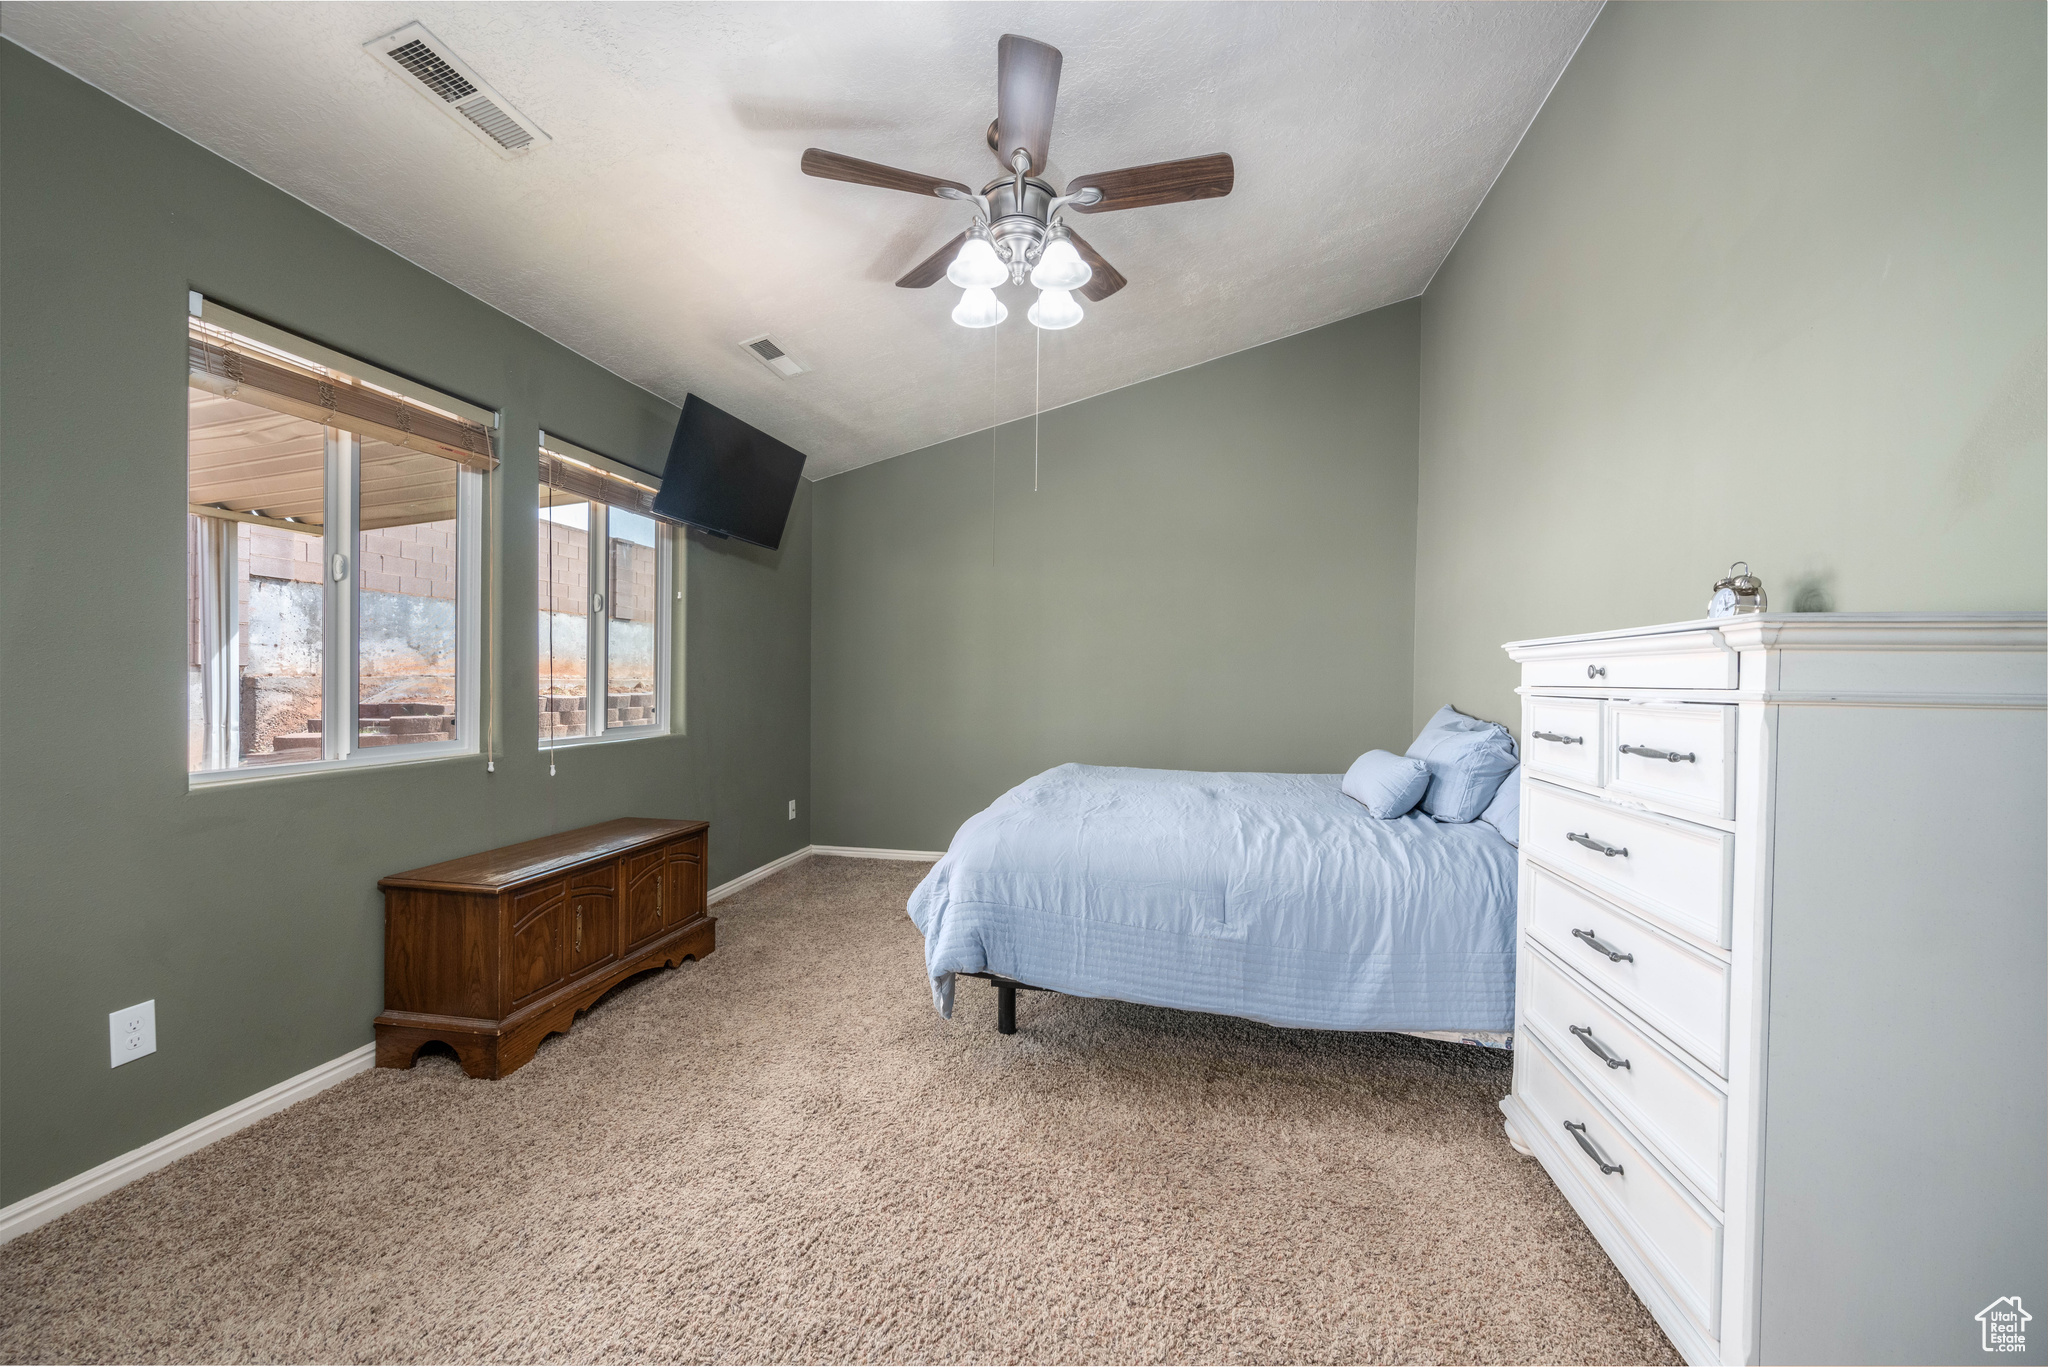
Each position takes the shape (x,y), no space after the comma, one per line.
(774,357)
(448,83)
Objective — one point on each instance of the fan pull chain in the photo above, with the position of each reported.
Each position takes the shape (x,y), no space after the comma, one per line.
(1037,351)
(995,423)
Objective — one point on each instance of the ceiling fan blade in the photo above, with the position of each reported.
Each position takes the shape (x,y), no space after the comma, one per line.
(1027,87)
(1107,279)
(932,269)
(833,166)
(1163,182)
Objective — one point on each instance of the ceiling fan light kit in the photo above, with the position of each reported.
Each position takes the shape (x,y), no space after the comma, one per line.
(1017,234)
(1054,310)
(979,308)
(977,266)
(1059,266)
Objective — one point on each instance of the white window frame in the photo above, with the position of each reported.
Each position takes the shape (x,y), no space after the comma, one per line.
(597,618)
(340,682)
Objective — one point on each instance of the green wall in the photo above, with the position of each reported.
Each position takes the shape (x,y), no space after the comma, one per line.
(1763,282)
(250,914)
(1216,572)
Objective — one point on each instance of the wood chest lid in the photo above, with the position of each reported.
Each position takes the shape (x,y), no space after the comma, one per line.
(495,870)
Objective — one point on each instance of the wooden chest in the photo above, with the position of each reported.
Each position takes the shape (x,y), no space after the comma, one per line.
(492,953)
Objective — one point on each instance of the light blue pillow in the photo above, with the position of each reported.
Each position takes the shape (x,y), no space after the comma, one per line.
(1467,760)
(1504,813)
(1388,784)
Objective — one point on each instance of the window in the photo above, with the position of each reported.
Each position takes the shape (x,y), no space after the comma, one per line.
(605,593)
(334,558)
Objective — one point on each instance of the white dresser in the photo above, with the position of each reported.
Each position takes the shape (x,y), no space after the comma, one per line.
(1782,981)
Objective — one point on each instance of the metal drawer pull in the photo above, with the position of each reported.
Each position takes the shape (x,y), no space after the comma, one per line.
(1561,740)
(1590,843)
(1578,1132)
(1603,947)
(1600,1051)
(1647,753)
(1596,671)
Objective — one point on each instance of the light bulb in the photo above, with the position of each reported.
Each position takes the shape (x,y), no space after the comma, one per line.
(1061,268)
(1054,310)
(979,308)
(977,266)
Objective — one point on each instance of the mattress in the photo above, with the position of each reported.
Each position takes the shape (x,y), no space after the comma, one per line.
(1268,896)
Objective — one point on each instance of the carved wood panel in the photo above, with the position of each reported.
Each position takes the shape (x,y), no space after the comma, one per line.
(602,878)
(644,902)
(536,961)
(530,903)
(593,931)
(683,881)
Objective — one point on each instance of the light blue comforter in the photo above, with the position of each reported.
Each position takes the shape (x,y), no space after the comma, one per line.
(1268,896)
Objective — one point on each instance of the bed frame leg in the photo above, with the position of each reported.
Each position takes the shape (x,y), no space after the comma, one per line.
(1006,1008)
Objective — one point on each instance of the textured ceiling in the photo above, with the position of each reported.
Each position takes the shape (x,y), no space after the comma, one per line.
(667,218)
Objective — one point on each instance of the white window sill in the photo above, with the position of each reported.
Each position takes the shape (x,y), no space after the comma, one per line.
(354,764)
(616,733)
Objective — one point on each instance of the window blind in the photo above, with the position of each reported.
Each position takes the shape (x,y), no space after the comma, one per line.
(569,477)
(334,401)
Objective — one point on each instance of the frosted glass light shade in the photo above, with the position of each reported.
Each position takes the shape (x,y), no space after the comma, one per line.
(977,266)
(979,308)
(1061,268)
(1054,310)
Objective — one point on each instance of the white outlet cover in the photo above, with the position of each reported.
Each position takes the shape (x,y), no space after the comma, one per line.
(792,809)
(131,1032)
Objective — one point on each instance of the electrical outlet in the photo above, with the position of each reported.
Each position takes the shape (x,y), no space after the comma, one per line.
(792,809)
(132,1032)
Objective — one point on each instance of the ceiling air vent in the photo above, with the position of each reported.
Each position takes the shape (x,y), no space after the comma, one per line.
(448,83)
(774,357)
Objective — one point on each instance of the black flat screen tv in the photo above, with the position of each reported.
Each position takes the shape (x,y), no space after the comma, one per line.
(728,478)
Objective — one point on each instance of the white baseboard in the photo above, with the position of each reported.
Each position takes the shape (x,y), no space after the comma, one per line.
(861,852)
(747,880)
(45,1206)
(68,1195)
(835,851)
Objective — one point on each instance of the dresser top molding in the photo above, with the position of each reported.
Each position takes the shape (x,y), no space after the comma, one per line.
(496,870)
(1824,631)
(1939,659)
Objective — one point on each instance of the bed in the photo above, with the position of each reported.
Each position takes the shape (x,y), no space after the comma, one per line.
(1268,896)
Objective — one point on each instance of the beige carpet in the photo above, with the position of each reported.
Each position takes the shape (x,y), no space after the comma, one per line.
(783,1154)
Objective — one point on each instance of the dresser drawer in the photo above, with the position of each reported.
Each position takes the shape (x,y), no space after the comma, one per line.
(1677,754)
(1675,659)
(1668,869)
(1680,990)
(1678,1238)
(1676,1111)
(1564,739)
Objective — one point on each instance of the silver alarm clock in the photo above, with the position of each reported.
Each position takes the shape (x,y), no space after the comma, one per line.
(1740,592)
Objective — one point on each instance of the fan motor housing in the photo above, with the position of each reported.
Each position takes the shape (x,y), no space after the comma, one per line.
(1018,229)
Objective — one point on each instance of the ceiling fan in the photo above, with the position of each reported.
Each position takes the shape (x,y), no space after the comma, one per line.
(1017,233)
